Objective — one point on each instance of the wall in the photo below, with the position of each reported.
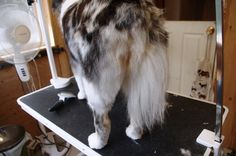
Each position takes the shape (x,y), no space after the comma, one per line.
(11,89)
(229,129)
(190,10)
(59,41)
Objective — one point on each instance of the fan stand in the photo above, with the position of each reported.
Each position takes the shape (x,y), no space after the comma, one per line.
(57,82)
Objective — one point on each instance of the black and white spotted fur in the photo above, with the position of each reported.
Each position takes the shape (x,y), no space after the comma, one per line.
(117,45)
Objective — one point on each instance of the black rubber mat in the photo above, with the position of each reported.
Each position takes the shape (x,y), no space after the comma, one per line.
(185,119)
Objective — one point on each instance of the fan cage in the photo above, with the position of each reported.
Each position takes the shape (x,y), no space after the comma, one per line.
(8,54)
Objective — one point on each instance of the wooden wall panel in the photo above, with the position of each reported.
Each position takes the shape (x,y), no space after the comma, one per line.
(64,64)
(190,10)
(12,88)
(229,129)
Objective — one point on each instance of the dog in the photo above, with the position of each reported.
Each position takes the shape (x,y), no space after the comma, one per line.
(117,45)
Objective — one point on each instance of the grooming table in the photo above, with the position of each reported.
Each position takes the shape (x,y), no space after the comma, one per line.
(185,119)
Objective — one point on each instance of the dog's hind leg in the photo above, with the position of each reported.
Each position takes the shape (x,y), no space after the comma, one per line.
(100,106)
(99,138)
(133,131)
(81,95)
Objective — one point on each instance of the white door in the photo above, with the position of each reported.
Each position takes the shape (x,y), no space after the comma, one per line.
(187,47)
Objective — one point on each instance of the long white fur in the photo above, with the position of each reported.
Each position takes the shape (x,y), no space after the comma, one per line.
(146,103)
(144,86)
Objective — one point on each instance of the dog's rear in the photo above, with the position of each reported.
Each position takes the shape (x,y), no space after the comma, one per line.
(145,81)
(118,44)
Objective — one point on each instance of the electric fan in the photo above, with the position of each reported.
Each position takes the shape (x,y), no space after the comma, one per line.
(20,35)
(21,39)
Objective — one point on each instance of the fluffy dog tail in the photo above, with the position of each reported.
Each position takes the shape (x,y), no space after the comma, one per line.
(147,87)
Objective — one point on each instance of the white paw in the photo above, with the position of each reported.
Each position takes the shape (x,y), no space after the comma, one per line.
(95,141)
(81,95)
(134,133)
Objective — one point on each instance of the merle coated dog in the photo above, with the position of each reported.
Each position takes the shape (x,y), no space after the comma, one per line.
(117,45)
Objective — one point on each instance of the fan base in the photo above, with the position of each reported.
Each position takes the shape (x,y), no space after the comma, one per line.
(60,82)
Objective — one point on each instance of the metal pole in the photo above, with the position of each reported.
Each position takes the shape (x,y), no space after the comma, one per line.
(56,81)
(220,69)
(46,38)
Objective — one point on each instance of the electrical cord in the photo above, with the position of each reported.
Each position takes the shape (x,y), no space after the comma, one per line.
(3,153)
(37,73)
(51,142)
(43,133)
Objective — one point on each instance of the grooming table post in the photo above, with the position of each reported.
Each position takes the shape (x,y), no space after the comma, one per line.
(208,138)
